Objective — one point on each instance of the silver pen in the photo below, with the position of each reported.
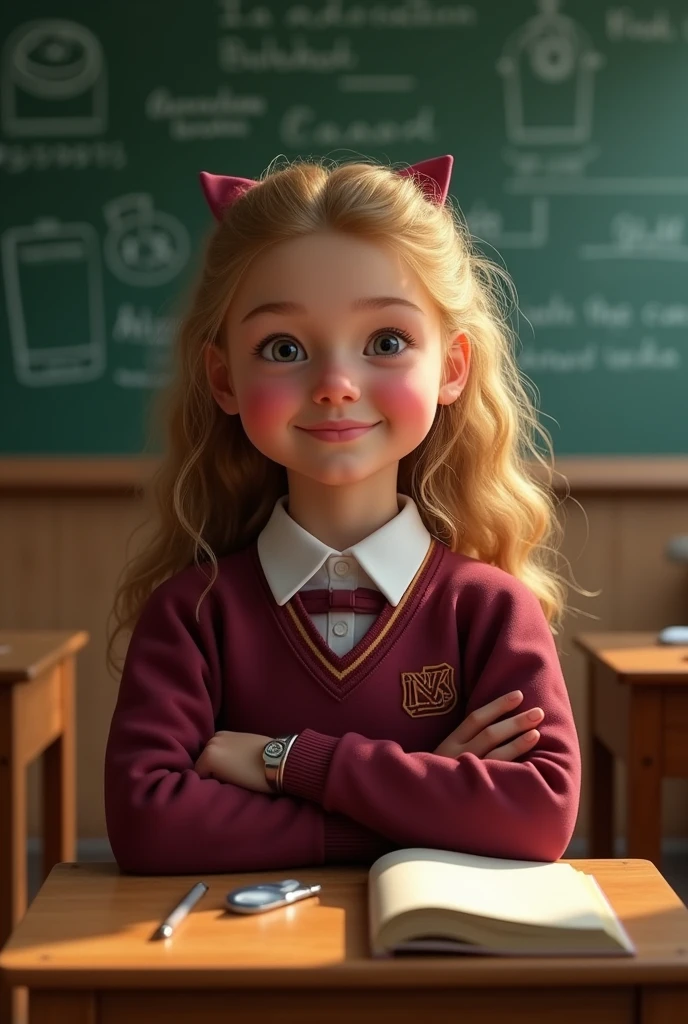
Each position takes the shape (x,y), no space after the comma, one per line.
(192,897)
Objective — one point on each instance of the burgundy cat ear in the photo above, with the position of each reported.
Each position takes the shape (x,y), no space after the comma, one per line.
(433,176)
(222,190)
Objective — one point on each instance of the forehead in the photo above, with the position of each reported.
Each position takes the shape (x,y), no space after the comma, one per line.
(325,268)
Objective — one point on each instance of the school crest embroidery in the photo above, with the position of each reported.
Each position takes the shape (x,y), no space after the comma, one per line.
(432,691)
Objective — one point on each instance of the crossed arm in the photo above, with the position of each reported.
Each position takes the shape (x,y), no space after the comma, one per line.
(346,798)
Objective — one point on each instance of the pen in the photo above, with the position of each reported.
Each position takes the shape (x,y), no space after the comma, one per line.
(181,910)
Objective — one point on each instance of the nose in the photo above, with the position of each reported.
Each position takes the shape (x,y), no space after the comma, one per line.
(334,386)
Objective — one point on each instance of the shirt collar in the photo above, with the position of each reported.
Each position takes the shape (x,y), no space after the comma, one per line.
(392,555)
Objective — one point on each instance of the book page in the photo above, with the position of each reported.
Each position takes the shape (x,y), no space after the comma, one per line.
(612,923)
(527,892)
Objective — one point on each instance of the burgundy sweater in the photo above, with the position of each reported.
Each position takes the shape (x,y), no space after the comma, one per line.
(360,779)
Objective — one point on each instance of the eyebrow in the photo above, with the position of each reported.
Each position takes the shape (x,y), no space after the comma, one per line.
(374,302)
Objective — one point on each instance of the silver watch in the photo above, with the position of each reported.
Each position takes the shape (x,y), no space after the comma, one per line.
(274,756)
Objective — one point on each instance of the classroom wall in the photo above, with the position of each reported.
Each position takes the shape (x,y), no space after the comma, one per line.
(580,189)
(61,554)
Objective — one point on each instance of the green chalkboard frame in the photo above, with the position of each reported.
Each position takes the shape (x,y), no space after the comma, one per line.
(117,476)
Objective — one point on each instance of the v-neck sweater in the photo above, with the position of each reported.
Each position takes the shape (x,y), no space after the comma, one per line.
(362,777)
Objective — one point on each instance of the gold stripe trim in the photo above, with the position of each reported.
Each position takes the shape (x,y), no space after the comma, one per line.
(339,675)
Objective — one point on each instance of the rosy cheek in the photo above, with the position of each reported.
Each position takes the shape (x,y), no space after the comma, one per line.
(404,401)
(267,407)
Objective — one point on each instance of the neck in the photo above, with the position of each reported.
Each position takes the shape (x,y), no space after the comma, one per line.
(344,514)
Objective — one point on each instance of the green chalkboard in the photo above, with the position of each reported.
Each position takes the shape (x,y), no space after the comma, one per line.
(568,121)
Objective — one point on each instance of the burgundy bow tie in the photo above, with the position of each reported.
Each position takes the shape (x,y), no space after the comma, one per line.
(363,599)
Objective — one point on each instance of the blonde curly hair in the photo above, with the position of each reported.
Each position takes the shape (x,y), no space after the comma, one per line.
(471,477)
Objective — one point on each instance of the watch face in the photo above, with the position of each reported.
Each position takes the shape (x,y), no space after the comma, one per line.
(274,748)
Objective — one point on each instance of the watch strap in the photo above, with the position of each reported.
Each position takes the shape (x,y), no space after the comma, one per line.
(283,760)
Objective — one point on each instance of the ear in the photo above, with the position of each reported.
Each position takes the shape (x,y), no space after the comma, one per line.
(219,379)
(456,366)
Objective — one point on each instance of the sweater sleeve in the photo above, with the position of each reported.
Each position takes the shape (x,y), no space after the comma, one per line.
(162,817)
(524,809)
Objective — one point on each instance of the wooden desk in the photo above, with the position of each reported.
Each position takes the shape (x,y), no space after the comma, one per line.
(637,710)
(84,950)
(36,717)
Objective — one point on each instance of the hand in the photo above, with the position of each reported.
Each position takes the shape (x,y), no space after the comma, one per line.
(235,757)
(476,734)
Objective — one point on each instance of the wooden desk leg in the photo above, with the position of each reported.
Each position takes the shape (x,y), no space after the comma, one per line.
(601,787)
(13,877)
(57,1007)
(59,783)
(601,801)
(644,775)
(663,1004)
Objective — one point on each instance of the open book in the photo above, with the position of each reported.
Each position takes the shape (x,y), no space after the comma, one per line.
(423,900)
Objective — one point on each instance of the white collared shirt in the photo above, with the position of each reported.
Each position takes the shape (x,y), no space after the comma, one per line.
(387,560)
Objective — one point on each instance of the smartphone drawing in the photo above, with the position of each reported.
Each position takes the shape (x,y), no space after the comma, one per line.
(54,293)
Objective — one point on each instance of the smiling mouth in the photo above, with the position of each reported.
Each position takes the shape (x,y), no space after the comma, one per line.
(338,434)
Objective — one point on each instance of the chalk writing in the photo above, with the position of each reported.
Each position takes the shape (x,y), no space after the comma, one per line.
(337,14)
(600,312)
(62,156)
(556,312)
(669,315)
(223,115)
(552,360)
(623,24)
(648,355)
(300,126)
(161,104)
(298,55)
(139,325)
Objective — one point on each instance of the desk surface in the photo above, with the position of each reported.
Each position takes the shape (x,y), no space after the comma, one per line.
(637,657)
(89,926)
(26,653)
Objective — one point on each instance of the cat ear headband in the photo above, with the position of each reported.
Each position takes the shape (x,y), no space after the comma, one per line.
(432,175)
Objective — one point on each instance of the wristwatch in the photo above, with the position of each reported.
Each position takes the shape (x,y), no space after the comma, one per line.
(274,756)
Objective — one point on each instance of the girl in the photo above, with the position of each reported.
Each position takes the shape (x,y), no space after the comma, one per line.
(350,574)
